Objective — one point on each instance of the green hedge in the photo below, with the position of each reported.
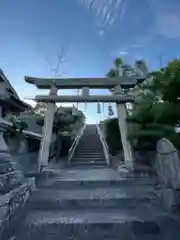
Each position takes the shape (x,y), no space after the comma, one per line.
(146,138)
(112,134)
(141,138)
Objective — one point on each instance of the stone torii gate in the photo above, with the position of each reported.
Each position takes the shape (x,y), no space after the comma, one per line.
(80,83)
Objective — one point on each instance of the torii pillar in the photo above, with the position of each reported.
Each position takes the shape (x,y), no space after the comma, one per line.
(122,115)
(47,132)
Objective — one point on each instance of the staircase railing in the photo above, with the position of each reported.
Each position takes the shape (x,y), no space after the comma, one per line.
(104,144)
(75,143)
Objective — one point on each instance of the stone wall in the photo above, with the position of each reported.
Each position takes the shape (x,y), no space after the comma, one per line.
(167,165)
(24,152)
(15,189)
(12,208)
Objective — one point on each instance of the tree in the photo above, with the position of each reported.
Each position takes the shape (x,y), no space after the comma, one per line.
(157,113)
(39,109)
(63,117)
(167,82)
(118,69)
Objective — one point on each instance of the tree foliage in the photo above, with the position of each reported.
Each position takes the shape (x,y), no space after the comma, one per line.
(111,130)
(167,82)
(156,113)
(64,119)
(39,109)
(119,68)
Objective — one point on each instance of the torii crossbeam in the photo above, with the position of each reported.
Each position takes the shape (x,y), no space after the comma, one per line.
(76,83)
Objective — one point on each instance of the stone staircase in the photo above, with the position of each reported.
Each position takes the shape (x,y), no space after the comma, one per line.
(89,152)
(14,192)
(86,202)
(96,204)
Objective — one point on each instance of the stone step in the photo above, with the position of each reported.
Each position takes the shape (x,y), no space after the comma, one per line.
(102,166)
(90,139)
(88,159)
(89,155)
(89,152)
(89,149)
(94,177)
(90,142)
(92,198)
(92,160)
(65,183)
(84,167)
(88,164)
(88,135)
(9,181)
(137,224)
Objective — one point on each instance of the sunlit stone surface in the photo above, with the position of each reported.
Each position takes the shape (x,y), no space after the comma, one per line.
(89,201)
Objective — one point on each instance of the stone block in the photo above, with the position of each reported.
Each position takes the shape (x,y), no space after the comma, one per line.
(10,204)
(168,163)
(9,180)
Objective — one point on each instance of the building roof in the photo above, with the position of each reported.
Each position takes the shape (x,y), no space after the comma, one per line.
(10,87)
(13,98)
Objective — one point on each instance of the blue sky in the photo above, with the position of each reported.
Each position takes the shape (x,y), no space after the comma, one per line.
(89,33)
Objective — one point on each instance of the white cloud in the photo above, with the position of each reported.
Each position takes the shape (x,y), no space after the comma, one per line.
(123,53)
(146,39)
(123,12)
(105,12)
(118,52)
(101,32)
(168,25)
(65,104)
(33,103)
(166,18)
(30,102)
(135,45)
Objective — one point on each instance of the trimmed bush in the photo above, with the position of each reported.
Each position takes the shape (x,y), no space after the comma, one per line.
(113,138)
